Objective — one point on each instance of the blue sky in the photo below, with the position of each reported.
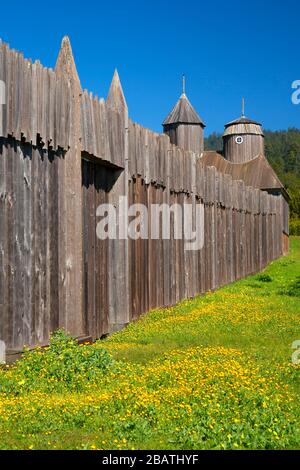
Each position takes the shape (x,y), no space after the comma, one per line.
(226,50)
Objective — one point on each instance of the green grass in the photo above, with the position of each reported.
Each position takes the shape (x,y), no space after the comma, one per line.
(214,372)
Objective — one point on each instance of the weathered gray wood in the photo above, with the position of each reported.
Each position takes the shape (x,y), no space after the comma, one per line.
(118,249)
(81,152)
(70,200)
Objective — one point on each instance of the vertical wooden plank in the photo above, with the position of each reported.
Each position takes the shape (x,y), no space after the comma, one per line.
(118,249)
(70,237)
(5,178)
(18,243)
(53,231)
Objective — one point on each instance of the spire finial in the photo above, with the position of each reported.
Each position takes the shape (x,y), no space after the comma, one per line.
(243,107)
(183,84)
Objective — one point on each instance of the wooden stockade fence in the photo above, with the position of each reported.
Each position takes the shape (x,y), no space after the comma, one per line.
(62,153)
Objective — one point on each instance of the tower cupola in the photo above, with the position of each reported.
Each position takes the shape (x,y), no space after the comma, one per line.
(243,140)
(184,126)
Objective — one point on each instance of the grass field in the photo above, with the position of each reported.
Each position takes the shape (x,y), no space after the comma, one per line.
(214,372)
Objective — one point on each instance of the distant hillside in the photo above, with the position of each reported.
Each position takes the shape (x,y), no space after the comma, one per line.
(283,153)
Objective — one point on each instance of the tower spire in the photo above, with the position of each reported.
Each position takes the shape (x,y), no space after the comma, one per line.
(243,107)
(183,84)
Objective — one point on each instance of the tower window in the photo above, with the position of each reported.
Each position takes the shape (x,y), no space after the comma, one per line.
(239,139)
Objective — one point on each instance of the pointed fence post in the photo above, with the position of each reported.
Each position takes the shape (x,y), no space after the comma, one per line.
(117,115)
(70,204)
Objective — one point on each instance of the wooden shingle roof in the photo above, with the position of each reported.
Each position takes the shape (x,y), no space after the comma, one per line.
(242,120)
(183,113)
(257,172)
(243,125)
